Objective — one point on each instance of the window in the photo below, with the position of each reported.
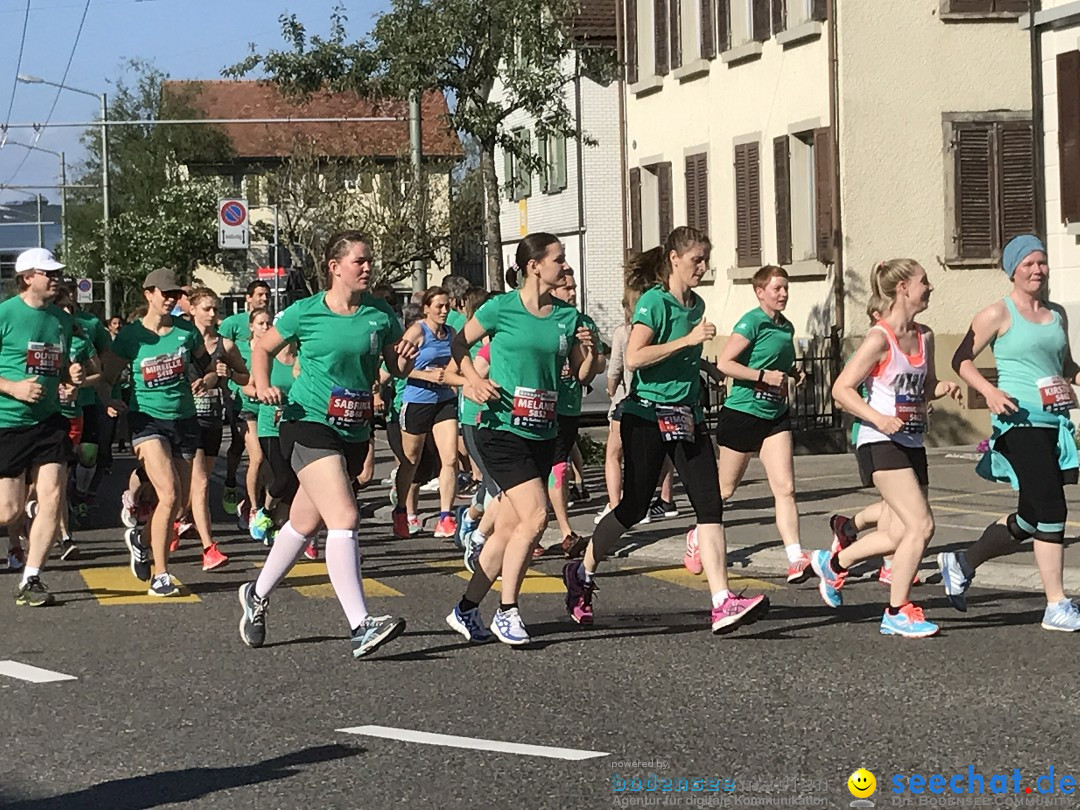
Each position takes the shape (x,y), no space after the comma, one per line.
(984,7)
(252,187)
(518,177)
(630,58)
(792,13)
(697,192)
(742,21)
(363,183)
(748,205)
(1068,108)
(553,151)
(993,183)
(803,177)
(651,215)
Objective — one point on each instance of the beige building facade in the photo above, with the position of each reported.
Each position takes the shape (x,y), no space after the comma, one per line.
(798,136)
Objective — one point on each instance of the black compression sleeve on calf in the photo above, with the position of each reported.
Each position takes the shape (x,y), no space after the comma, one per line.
(1015,530)
(459,347)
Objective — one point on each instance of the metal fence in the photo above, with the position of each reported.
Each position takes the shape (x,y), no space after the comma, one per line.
(812,406)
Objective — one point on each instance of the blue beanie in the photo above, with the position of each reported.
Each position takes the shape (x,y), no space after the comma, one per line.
(1018,249)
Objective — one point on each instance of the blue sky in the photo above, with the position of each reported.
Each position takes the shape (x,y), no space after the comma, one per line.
(187,39)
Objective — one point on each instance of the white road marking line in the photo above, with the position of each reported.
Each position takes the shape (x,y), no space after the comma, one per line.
(474,743)
(25,672)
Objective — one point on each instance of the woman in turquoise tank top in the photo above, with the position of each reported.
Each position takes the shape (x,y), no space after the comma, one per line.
(1031,445)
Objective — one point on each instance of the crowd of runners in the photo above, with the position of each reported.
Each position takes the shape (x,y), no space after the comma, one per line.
(481,395)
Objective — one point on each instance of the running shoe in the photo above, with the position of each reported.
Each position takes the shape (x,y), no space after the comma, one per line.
(574,545)
(253,619)
(472,551)
(509,629)
(375,631)
(843,530)
(213,558)
(229,500)
(243,516)
(799,571)
(646,519)
(415,526)
(67,547)
(80,513)
(579,493)
(163,585)
(311,550)
(129,510)
(602,514)
(33,593)
(692,558)
(735,609)
(910,622)
(464,526)
(829,582)
(1063,615)
(393,495)
(579,594)
(401,523)
(260,525)
(660,509)
(538,550)
(184,525)
(16,559)
(139,555)
(430,486)
(390,479)
(470,624)
(885,576)
(31,509)
(174,544)
(446,527)
(955,579)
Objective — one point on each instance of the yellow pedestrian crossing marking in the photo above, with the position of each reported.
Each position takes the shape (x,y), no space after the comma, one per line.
(116,586)
(310,578)
(535,581)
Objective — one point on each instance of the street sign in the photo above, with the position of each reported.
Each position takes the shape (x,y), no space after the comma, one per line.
(233,224)
(84,291)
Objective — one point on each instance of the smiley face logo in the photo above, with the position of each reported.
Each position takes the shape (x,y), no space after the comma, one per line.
(862,784)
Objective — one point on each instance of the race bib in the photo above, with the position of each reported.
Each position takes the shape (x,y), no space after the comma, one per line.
(770,393)
(533,408)
(208,404)
(277,416)
(165,369)
(348,408)
(676,422)
(911,410)
(1056,395)
(44,359)
(565,373)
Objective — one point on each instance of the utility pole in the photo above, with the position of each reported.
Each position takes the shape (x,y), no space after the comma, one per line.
(63,208)
(419,276)
(40,225)
(105,202)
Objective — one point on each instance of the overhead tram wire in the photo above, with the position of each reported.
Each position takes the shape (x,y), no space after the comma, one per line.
(56,99)
(18,67)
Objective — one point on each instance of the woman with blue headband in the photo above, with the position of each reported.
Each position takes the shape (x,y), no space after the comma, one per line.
(1031,444)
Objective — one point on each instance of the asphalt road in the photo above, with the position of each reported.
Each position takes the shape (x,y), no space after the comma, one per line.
(167,707)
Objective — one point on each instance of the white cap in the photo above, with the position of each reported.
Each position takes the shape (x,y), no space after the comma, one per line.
(37,259)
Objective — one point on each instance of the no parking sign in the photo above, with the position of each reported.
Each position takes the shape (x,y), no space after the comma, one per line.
(84,291)
(233,223)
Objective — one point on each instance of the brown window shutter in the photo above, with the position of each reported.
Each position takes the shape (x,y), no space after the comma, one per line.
(748,204)
(667,215)
(1068,104)
(703,193)
(782,178)
(708,29)
(761,22)
(971,6)
(723,25)
(1016,180)
(635,210)
(631,44)
(823,194)
(779,16)
(819,10)
(691,191)
(675,17)
(976,220)
(1012,6)
(660,37)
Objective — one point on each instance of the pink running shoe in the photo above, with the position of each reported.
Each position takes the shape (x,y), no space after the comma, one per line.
(579,594)
(885,577)
(692,558)
(311,551)
(446,527)
(800,570)
(840,525)
(736,609)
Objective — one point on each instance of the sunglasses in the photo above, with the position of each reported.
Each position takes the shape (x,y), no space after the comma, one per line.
(54,275)
(172,293)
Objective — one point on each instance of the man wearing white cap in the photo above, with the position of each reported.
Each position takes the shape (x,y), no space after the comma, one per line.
(35,339)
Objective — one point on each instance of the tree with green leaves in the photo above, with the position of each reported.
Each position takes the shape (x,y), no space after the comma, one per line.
(464,48)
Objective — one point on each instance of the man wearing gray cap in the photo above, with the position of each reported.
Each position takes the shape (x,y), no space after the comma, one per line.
(35,341)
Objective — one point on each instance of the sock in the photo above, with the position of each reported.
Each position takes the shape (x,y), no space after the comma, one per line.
(794,552)
(479,538)
(892,611)
(585,575)
(720,597)
(849,530)
(443,515)
(399,510)
(412,518)
(886,563)
(969,572)
(503,607)
(28,571)
(465,605)
(283,554)
(834,564)
(343,565)
(230,483)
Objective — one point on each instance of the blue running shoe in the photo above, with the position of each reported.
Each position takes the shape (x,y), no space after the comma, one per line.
(260,527)
(829,582)
(908,622)
(469,624)
(955,579)
(460,517)
(375,631)
(509,629)
(1063,615)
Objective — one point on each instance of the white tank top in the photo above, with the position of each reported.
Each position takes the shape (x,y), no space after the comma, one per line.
(897,387)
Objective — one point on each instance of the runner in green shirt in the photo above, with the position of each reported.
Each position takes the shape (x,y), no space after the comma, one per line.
(532,335)
(341,336)
(759,357)
(281,482)
(35,341)
(661,419)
